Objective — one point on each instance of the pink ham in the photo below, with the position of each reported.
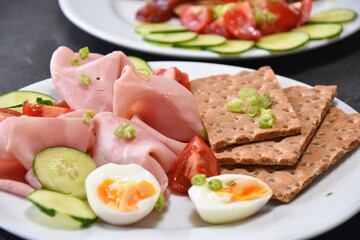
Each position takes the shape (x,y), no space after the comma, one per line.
(143,149)
(18,188)
(103,71)
(163,104)
(23,137)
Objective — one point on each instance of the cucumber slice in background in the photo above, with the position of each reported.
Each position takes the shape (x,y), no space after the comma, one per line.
(72,210)
(233,47)
(18,97)
(64,170)
(170,37)
(319,31)
(283,41)
(146,28)
(141,65)
(203,40)
(336,15)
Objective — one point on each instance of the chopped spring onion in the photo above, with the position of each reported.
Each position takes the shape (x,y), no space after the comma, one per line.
(198,179)
(236,105)
(84,52)
(252,111)
(267,119)
(203,133)
(266,101)
(230,183)
(86,118)
(84,79)
(246,92)
(91,112)
(75,62)
(254,100)
(41,101)
(215,184)
(160,204)
(125,130)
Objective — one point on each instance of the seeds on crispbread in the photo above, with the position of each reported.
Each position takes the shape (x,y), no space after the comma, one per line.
(338,134)
(310,105)
(225,128)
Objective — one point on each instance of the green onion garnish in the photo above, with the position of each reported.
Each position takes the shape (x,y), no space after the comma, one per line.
(252,111)
(236,105)
(86,118)
(41,101)
(84,79)
(246,92)
(266,101)
(203,133)
(160,204)
(91,112)
(84,52)
(75,62)
(198,179)
(230,183)
(125,130)
(254,100)
(215,184)
(267,119)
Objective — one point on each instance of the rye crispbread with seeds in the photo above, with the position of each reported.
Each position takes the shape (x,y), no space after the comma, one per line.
(338,134)
(224,127)
(310,105)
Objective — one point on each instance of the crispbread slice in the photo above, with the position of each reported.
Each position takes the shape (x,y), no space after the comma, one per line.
(338,134)
(310,105)
(225,128)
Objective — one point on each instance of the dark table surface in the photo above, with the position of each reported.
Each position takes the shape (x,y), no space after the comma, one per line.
(31,30)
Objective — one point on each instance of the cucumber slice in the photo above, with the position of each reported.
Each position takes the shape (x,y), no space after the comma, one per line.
(141,65)
(320,30)
(15,99)
(336,15)
(203,40)
(63,169)
(233,47)
(146,28)
(170,37)
(283,41)
(64,206)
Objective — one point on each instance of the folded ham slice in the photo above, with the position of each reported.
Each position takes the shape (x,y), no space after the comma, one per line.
(102,70)
(23,137)
(161,103)
(143,149)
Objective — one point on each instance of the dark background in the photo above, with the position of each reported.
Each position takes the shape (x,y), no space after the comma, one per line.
(30,30)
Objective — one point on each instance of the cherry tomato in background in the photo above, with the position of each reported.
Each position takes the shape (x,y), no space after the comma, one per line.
(240,22)
(196,157)
(303,9)
(195,18)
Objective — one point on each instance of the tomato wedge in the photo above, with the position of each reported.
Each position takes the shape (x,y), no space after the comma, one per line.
(196,157)
(303,9)
(37,110)
(218,27)
(174,73)
(5,112)
(195,18)
(240,22)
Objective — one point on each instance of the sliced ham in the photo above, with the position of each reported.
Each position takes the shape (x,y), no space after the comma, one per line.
(143,149)
(103,71)
(23,137)
(15,187)
(163,104)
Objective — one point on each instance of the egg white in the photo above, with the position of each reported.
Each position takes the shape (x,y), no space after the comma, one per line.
(215,209)
(126,173)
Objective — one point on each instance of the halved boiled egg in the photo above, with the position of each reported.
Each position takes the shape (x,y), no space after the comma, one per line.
(122,194)
(229,197)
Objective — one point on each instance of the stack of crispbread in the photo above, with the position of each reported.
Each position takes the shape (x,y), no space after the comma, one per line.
(307,138)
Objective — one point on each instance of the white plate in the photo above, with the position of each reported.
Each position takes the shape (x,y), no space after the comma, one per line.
(114,20)
(306,216)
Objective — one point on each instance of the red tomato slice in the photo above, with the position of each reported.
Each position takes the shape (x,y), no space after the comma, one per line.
(176,74)
(5,112)
(218,27)
(37,110)
(195,158)
(240,22)
(195,18)
(303,9)
(154,14)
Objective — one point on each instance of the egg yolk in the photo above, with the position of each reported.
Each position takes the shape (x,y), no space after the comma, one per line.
(243,190)
(124,196)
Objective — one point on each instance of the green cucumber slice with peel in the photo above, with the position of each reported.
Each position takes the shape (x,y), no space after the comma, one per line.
(284,41)
(14,100)
(63,169)
(336,15)
(318,31)
(147,28)
(233,47)
(141,65)
(170,37)
(72,210)
(203,40)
